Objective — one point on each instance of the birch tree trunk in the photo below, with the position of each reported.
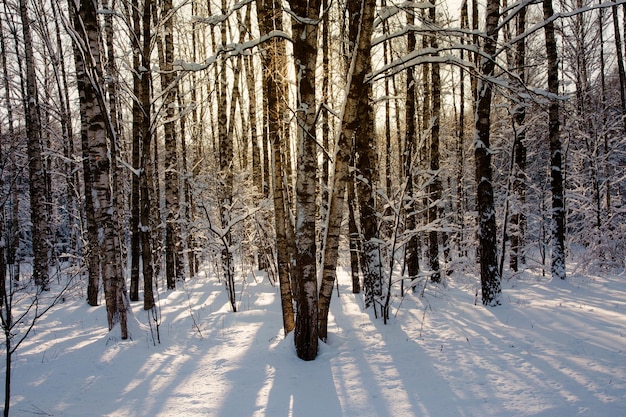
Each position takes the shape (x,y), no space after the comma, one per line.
(269,13)
(349,125)
(36,170)
(174,268)
(366,174)
(556,153)
(487,233)
(304,24)
(94,117)
(226,156)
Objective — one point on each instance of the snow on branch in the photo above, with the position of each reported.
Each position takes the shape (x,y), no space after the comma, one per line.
(230,51)
(389,11)
(425,29)
(219,18)
(422,56)
(556,16)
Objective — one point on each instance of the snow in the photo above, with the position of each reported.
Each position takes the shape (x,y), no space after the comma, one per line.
(553,348)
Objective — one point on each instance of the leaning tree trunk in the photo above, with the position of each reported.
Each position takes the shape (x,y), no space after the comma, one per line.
(556,154)
(487,233)
(349,125)
(304,33)
(36,170)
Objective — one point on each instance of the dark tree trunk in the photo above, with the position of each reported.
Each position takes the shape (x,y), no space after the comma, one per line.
(412,250)
(487,233)
(518,215)
(434,189)
(135,242)
(620,62)
(556,154)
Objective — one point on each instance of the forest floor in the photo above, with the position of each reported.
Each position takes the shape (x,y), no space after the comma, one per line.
(551,349)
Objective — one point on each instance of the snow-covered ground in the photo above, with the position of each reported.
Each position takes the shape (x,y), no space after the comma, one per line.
(551,349)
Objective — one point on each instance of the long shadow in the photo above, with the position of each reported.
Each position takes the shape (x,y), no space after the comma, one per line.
(531,358)
(301,388)
(395,379)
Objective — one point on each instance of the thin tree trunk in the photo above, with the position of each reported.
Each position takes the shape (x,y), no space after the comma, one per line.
(136,133)
(620,62)
(556,154)
(460,173)
(518,215)
(12,233)
(411,253)
(607,170)
(435,183)
(353,231)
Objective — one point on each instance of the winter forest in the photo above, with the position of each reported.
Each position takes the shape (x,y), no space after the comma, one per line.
(287,157)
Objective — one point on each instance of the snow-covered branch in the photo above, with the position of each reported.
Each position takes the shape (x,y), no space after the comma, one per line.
(230,51)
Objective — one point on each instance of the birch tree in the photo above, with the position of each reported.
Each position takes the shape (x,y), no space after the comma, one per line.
(270,17)
(37,176)
(487,233)
(305,17)
(96,128)
(349,125)
(173,242)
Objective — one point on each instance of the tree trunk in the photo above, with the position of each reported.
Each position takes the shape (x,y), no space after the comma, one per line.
(268,13)
(518,215)
(411,253)
(36,170)
(349,125)
(92,249)
(174,268)
(146,175)
(136,133)
(620,62)
(556,154)
(304,34)
(487,233)
(460,173)
(226,156)
(434,189)
(94,117)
